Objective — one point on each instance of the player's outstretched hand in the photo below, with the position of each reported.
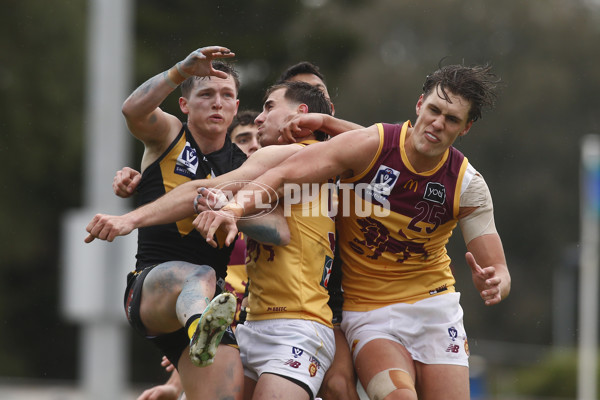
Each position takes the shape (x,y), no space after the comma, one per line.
(199,62)
(208,222)
(108,227)
(126,181)
(209,199)
(485,280)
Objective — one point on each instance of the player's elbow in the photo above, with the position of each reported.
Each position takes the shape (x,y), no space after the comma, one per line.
(132,112)
(284,237)
(127,108)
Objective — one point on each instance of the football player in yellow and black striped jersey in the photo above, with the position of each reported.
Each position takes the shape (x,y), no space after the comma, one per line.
(177,273)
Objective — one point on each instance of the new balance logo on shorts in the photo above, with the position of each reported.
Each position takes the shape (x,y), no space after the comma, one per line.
(453,348)
(293,363)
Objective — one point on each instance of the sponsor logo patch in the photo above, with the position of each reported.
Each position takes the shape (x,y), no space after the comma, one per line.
(435,192)
(442,288)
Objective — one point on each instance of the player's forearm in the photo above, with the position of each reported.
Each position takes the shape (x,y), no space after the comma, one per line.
(171,207)
(268,187)
(334,126)
(259,192)
(150,95)
(175,381)
(270,228)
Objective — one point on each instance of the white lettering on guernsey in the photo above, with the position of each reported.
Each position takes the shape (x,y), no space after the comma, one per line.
(305,193)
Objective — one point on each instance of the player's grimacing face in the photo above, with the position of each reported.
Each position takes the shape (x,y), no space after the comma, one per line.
(439,123)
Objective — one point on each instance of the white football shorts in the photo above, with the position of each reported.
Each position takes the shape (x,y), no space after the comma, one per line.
(301,350)
(431,330)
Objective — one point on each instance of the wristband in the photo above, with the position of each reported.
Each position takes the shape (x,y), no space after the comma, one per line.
(169,80)
(174,77)
(185,75)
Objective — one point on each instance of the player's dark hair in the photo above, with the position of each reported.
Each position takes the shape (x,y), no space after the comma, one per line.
(303,67)
(188,84)
(476,84)
(242,118)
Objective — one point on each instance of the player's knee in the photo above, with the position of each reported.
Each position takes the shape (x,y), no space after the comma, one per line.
(395,383)
(336,387)
(202,273)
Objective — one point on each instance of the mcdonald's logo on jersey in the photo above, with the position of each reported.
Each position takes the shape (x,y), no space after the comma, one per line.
(411,184)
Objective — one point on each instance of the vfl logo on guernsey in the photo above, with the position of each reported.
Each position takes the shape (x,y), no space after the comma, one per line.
(435,192)
(382,184)
(187,162)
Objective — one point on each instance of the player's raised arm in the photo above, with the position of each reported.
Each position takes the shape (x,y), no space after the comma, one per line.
(145,119)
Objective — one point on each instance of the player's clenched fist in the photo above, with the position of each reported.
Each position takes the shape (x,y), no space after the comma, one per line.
(107,227)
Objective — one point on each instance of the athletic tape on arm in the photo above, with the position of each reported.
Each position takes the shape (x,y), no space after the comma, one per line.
(481,221)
